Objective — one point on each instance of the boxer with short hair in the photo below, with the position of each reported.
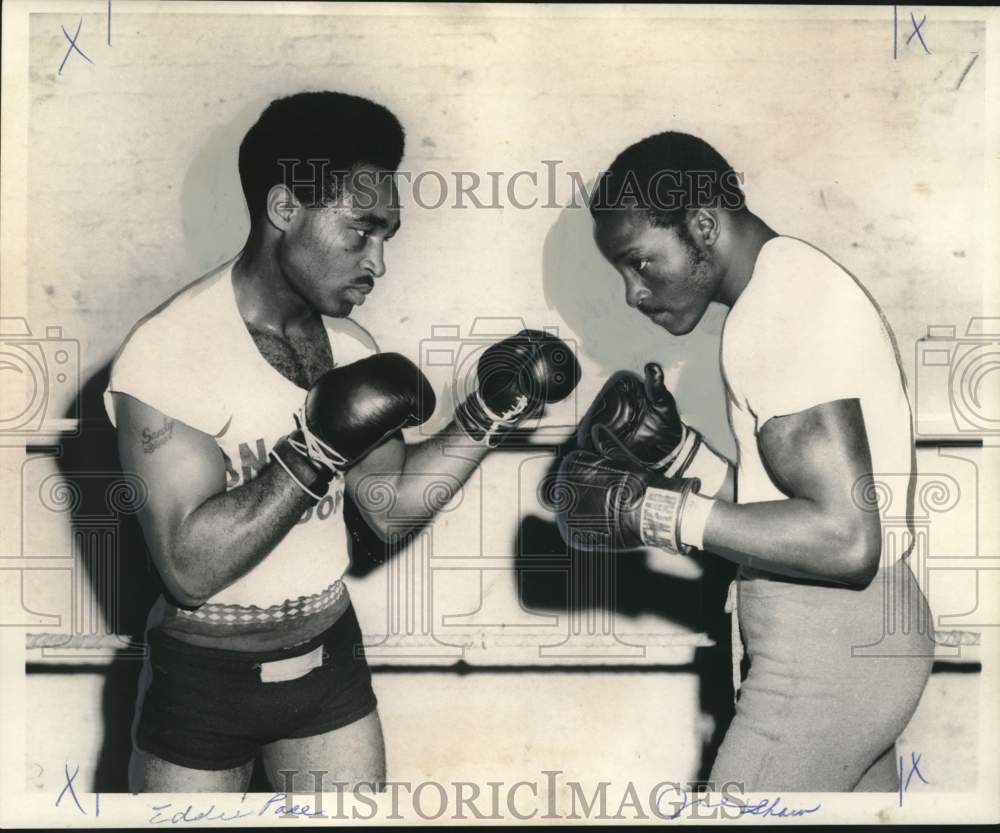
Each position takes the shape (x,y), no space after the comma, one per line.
(250,403)
(817,404)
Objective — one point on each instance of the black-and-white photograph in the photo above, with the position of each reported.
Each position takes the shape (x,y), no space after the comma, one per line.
(504,413)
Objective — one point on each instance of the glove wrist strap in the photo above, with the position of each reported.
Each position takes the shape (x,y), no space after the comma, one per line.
(660,519)
(675,519)
(708,467)
(676,461)
(692,458)
(306,443)
(286,454)
(696,512)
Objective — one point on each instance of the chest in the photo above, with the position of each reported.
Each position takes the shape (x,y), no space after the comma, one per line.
(301,358)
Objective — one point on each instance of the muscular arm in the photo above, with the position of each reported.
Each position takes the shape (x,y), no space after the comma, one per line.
(817,457)
(201,537)
(446,461)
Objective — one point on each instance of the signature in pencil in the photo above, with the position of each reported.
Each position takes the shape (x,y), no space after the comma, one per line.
(767,807)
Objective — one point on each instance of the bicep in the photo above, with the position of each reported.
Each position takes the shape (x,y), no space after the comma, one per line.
(819,454)
(180,467)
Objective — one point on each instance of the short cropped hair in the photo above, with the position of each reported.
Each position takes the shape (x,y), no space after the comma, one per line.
(338,130)
(666,175)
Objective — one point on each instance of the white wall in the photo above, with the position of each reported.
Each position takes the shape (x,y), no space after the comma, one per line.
(132,191)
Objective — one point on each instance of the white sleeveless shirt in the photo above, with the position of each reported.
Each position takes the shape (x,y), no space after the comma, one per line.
(194,360)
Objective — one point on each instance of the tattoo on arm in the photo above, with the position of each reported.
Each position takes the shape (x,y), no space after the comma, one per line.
(152,440)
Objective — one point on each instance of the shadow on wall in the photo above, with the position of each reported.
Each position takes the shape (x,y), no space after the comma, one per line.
(213,212)
(590,297)
(118,576)
(551,576)
(119,582)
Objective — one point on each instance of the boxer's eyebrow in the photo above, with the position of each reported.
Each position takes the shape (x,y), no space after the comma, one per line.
(624,254)
(376,221)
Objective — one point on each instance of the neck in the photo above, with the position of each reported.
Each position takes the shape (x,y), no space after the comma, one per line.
(265,299)
(749,234)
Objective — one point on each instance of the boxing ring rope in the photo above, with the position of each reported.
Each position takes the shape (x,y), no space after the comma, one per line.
(110,641)
(96,540)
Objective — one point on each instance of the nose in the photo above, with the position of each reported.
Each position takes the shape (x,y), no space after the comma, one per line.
(635,292)
(374,261)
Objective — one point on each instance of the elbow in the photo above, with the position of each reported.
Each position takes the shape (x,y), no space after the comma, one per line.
(862,553)
(186,593)
(186,587)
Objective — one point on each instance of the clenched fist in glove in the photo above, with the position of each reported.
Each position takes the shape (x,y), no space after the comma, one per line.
(351,410)
(517,377)
(601,503)
(642,415)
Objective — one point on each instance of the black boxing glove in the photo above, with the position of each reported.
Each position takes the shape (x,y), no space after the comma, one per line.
(516,378)
(353,409)
(642,415)
(601,504)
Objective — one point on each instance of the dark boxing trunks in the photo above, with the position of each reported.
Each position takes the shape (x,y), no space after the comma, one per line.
(207,708)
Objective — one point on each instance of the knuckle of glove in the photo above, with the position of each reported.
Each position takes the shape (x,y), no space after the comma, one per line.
(613,407)
(595,494)
(533,364)
(648,431)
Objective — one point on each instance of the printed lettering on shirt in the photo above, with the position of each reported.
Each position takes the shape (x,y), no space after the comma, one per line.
(329,505)
(253,458)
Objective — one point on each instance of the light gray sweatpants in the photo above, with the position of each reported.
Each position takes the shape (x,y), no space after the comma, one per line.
(835,676)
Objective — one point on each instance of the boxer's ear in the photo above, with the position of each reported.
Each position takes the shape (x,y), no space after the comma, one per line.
(704,226)
(281,207)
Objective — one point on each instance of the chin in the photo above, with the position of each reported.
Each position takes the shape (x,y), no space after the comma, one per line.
(675,328)
(674,325)
(678,330)
(336,308)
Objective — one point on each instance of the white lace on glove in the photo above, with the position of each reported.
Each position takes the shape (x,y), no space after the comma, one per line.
(314,448)
(497,422)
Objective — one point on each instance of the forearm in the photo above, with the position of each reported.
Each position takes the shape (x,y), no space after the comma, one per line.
(795,537)
(400,489)
(231,532)
(430,475)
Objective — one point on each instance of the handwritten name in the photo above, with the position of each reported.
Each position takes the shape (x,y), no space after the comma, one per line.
(768,807)
(277,805)
(188,815)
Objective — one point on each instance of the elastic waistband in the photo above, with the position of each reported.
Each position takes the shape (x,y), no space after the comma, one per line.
(246,660)
(253,629)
